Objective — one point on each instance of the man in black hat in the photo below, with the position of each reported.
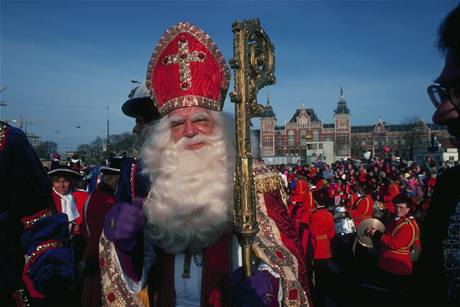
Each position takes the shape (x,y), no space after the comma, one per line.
(35,258)
(141,107)
(440,263)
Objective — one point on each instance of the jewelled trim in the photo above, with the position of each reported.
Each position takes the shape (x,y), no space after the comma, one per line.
(267,247)
(132,181)
(42,248)
(204,39)
(3,134)
(267,181)
(28,221)
(184,57)
(114,290)
(190,101)
(21,297)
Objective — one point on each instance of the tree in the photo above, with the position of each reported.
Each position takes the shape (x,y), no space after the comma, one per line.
(122,142)
(415,139)
(95,152)
(46,149)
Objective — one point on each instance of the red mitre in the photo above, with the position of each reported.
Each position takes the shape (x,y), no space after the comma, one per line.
(187,70)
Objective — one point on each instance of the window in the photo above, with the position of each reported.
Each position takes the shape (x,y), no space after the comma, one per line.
(320,145)
(303,137)
(315,135)
(291,138)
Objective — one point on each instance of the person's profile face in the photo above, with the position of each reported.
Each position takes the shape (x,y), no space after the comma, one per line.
(139,125)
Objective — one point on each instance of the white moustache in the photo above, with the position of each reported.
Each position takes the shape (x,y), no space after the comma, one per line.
(185,142)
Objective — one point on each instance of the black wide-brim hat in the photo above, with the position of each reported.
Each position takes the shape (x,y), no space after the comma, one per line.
(141,106)
(64,171)
(114,167)
(106,170)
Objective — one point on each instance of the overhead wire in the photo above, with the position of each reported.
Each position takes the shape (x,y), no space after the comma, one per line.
(56,105)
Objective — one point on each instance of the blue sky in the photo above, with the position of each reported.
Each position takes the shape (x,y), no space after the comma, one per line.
(84,53)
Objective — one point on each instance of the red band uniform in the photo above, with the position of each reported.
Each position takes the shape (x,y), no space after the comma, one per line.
(392,191)
(362,209)
(396,243)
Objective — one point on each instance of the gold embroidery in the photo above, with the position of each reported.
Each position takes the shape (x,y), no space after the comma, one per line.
(184,57)
(190,101)
(40,249)
(29,223)
(266,181)
(266,246)
(114,290)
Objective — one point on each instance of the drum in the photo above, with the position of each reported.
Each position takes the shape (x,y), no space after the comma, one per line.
(344,226)
(343,223)
(340,212)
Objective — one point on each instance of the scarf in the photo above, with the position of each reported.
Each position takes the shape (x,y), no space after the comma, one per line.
(68,206)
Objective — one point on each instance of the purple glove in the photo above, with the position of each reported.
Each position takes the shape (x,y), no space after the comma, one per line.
(123,224)
(256,290)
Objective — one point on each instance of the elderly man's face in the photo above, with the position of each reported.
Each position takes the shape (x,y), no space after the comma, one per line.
(190,122)
(61,185)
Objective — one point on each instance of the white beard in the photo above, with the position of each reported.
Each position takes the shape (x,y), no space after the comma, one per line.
(190,202)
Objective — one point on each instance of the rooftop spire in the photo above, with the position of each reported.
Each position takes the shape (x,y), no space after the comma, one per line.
(342,104)
(268,110)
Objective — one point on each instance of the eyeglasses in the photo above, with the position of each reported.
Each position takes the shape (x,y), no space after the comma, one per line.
(439,93)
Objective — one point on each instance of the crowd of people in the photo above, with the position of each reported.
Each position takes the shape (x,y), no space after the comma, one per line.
(157,231)
(328,204)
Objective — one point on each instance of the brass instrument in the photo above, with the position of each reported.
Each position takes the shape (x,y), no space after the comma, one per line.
(253,64)
(361,235)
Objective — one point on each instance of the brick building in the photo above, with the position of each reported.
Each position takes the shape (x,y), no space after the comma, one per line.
(305,133)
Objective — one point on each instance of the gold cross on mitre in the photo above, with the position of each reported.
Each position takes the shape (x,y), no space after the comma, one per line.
(184,57)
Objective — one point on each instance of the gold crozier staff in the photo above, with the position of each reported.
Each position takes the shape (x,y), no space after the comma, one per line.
(253,64)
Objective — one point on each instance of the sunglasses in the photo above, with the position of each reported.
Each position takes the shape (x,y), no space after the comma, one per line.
(439,93)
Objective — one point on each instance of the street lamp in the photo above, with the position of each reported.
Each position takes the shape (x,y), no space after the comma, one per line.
(2,103)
